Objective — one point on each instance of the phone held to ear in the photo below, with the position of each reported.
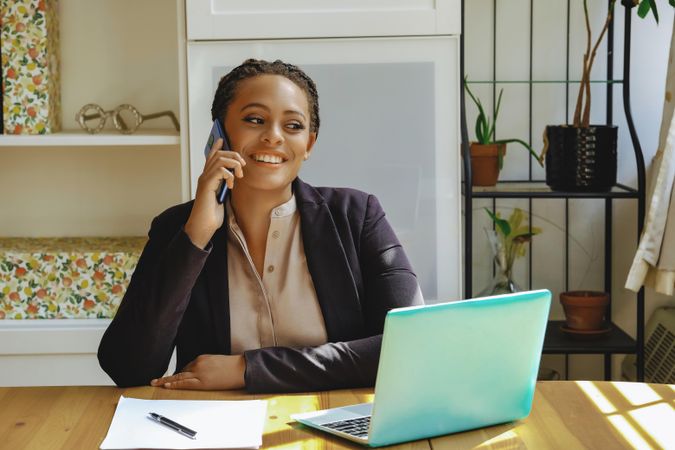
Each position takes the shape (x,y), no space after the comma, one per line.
(215,134)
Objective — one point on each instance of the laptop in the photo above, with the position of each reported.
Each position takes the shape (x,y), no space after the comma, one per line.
(446,368)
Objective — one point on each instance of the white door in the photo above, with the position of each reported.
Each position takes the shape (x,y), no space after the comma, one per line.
(389,126)
(236,19)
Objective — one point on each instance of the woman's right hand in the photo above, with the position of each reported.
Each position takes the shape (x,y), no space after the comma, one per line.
(207,214)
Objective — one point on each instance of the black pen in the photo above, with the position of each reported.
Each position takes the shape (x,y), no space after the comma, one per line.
(185,431)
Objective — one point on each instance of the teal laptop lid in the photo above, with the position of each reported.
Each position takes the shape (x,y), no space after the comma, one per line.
(457,366)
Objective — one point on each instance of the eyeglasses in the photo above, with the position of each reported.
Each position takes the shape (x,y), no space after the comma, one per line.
(126,118)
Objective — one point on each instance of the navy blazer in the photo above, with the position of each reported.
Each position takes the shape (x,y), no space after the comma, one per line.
(178,296)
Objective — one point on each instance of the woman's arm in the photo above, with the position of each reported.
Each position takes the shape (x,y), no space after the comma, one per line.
(388,283)
(137,345)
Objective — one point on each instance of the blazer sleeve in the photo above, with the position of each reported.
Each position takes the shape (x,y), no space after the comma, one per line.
(138,343)
(389,282)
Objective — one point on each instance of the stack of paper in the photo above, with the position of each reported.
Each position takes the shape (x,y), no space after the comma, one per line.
(219,424)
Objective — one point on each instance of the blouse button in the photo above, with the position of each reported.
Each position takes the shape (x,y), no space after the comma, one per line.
(270,269)
(276,234)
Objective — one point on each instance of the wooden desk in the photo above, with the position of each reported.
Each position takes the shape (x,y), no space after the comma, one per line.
(566,415)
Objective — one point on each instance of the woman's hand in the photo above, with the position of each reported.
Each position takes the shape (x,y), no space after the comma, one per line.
(209,373)
(207,214)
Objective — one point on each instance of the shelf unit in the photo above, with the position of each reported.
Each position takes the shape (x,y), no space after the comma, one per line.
(71,138)
(616,341)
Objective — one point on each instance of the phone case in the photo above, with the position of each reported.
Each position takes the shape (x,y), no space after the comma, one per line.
(215,134)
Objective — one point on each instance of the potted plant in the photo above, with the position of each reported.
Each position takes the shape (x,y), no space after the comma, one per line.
(585,313)
(581,156)
(507,242)
(487,153)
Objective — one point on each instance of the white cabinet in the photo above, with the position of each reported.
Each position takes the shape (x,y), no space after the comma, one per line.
(387,72)
(236,19)
(389,123)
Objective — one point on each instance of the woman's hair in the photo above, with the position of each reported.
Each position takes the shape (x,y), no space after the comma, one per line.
(253,67)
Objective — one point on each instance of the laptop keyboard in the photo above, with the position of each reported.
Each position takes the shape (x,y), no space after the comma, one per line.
(356,427)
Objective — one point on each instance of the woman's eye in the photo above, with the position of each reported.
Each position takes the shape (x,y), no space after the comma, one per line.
(255,120)
(296,126)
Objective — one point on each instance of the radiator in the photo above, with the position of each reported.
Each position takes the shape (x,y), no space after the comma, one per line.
(659,350)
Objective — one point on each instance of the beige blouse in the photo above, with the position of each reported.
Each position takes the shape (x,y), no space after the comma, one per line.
(281,308)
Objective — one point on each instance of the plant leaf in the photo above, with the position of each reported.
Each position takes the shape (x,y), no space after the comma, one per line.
(485,122)
(644,8)
(479,136)
(526,230)
(499,102)
(524,144)
(516,218)
(466,86)
(652,3)
(501,224)
(521,239)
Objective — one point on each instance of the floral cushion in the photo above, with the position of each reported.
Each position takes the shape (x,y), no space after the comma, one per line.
(65,278)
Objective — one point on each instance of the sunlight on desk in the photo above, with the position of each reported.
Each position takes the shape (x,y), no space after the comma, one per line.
(628,432)
(637,394)
(509,439)
(282,433)
(596,396)
(636,411)
(277,434)
(659,421)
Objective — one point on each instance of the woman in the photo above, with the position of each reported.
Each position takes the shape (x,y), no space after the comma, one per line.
(284,287)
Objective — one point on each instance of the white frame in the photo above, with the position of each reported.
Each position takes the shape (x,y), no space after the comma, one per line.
(232,19)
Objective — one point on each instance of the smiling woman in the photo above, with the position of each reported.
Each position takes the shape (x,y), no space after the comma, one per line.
(285,286)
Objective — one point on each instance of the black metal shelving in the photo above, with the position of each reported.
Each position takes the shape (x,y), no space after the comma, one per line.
(616,341)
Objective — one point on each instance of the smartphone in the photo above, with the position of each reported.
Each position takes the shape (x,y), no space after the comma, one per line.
(215,134)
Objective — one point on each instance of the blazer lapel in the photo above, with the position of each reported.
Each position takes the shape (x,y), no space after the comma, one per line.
(218,289)
(328,265)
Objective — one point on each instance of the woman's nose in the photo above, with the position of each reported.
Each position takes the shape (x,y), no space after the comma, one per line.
(273,135)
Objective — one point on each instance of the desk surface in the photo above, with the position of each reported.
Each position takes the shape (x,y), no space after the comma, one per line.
(565,415)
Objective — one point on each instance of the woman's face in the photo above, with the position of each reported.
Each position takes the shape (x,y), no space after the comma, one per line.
(268,124)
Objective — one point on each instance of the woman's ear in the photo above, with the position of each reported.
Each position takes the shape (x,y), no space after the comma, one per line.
(310,145)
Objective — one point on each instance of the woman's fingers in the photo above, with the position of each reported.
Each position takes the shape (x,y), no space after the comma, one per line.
(223,165)
(180,376)
(188,383)
(214,148)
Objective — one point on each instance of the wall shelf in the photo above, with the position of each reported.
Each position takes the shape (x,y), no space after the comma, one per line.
(78,138)
(541,81)
(615,341)
(539,189)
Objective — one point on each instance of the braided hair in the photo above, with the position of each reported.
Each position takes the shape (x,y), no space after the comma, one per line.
(250,68)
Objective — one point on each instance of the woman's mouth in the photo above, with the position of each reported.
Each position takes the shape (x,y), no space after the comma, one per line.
(267,158)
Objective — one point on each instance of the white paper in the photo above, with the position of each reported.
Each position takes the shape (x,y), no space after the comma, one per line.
(218,423)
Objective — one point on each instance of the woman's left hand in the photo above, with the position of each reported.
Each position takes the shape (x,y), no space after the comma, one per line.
(209,373)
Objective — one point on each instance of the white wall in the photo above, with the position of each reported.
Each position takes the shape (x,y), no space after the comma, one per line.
(649,63)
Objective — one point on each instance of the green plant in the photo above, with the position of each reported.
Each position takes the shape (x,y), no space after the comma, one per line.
(582,112)
(485,126)
(510,236)
(644,6)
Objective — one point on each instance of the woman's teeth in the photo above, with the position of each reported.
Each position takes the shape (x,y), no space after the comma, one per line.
(268,159)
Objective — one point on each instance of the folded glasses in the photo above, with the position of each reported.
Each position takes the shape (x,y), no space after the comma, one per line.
(126,118)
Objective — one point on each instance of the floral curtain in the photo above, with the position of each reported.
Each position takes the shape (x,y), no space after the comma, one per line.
(654,262)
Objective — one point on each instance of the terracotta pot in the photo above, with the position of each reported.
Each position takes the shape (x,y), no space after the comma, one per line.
(485,163)
(585,310)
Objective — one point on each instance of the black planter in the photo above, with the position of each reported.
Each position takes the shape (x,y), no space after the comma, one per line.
(581,159)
